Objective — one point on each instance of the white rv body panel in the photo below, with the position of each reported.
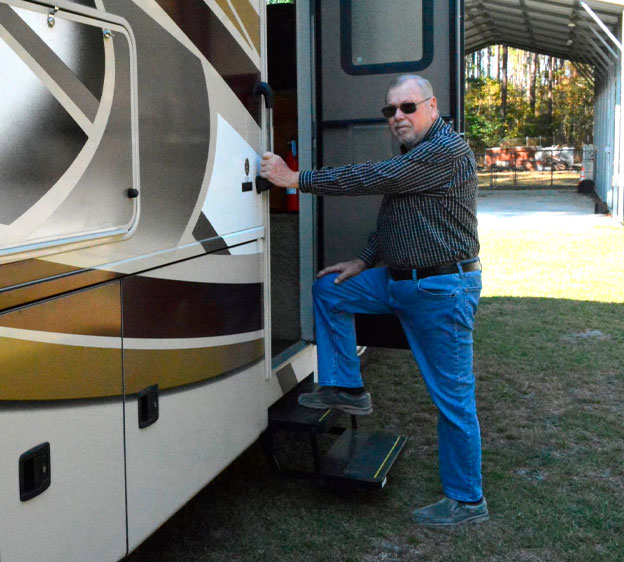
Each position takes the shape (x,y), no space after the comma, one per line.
(227,206)
(63,524)
(223,417)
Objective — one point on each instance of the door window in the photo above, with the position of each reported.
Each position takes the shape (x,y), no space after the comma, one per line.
(381,36)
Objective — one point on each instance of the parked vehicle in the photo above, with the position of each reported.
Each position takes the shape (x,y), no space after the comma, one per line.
(151,308)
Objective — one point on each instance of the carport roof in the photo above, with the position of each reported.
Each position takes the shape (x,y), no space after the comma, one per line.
(560,28)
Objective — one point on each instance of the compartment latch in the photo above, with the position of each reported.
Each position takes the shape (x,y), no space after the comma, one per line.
(35,473)
(148,406)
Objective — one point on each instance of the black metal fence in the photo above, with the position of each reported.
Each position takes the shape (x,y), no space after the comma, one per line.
(529,167)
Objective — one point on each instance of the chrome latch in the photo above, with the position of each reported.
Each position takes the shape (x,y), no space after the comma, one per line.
(51,18)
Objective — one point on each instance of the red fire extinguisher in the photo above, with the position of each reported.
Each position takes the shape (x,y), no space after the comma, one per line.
(292,161)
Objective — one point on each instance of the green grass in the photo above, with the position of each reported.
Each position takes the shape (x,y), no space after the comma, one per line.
(549,359)
(586,265)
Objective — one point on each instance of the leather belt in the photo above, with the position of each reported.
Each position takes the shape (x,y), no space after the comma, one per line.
(446,269)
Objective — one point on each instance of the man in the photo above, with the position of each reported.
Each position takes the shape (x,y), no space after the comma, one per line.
(427,236)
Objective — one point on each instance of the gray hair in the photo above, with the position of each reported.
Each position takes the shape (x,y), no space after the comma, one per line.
(422,83)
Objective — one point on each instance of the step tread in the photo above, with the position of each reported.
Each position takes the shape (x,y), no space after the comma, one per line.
(365,456)
(286,413)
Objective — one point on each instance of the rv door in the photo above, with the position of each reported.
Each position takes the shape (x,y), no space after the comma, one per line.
(361,45)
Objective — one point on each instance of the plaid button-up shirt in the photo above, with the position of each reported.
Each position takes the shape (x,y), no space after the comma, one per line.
(428,213)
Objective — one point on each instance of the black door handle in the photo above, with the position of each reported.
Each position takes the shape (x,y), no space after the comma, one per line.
(263,89)
(262,184)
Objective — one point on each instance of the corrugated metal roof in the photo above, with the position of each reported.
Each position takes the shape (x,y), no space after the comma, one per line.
(560,28)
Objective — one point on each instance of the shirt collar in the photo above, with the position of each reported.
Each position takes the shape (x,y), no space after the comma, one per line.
(435,127)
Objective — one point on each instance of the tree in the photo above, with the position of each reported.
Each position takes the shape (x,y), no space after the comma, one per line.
(521,94)
(533,80)
(550,91)
(483,123)
(504,84)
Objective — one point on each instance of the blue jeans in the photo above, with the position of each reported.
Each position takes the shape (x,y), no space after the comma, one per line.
(437,315)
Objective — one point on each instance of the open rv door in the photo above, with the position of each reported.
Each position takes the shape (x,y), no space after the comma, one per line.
(328,97)
(361,45)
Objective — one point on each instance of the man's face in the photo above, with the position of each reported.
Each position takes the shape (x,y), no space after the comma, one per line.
(411,128)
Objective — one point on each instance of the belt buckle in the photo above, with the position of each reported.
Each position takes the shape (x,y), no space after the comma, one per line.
(402,274)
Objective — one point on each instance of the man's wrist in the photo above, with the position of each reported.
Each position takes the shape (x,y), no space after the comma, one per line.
(295,180)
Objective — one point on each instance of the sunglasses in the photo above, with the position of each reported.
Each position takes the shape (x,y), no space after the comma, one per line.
(407,108)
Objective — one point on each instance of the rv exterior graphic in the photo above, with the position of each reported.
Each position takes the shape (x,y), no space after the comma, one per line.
(149,316)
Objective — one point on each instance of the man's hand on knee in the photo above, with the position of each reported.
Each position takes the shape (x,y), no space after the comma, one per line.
(344,269)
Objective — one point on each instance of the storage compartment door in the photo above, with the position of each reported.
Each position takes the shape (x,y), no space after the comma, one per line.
(62,487)
(194,371)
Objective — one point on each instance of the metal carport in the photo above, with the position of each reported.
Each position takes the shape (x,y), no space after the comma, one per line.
(589,32)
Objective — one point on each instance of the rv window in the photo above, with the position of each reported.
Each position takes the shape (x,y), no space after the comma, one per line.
(366,26)
(66,130)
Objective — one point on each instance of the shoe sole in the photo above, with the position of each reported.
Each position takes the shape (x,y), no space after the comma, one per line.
(474,519)
(352,410)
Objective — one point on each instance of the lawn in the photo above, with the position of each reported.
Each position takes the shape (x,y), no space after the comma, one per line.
(549,359)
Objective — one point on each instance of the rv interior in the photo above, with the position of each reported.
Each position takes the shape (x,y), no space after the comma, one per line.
(284,219)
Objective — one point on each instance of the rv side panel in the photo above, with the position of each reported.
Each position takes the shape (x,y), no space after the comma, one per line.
(62,386)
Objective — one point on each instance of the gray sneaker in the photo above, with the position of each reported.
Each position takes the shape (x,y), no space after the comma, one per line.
(327,397)
(448,512)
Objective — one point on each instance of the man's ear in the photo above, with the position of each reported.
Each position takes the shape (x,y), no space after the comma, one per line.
(433,104)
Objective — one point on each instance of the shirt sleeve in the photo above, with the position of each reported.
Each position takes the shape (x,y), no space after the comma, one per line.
(370,254)
(416,171)
(305,181)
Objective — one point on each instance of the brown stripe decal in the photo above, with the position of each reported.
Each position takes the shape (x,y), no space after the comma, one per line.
(40,370)
(26,271)
(216,43)
(250,20)
(173,368)
(164,308)
(223,4)
(37,291)
(35,371)
(92,312)
(46,371)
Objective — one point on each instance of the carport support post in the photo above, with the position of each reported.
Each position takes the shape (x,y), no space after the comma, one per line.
(620,176)
(618,153)
(552,166)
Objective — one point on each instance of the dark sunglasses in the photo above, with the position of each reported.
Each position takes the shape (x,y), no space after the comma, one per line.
(407,108)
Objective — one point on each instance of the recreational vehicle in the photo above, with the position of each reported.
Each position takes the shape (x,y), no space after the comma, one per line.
(155,301)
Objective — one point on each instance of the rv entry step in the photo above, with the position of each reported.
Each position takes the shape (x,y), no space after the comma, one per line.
(354,457)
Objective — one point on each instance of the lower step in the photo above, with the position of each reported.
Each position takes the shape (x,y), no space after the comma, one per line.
(362,457)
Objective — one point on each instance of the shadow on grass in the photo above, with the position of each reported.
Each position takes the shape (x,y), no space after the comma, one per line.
(550,387)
